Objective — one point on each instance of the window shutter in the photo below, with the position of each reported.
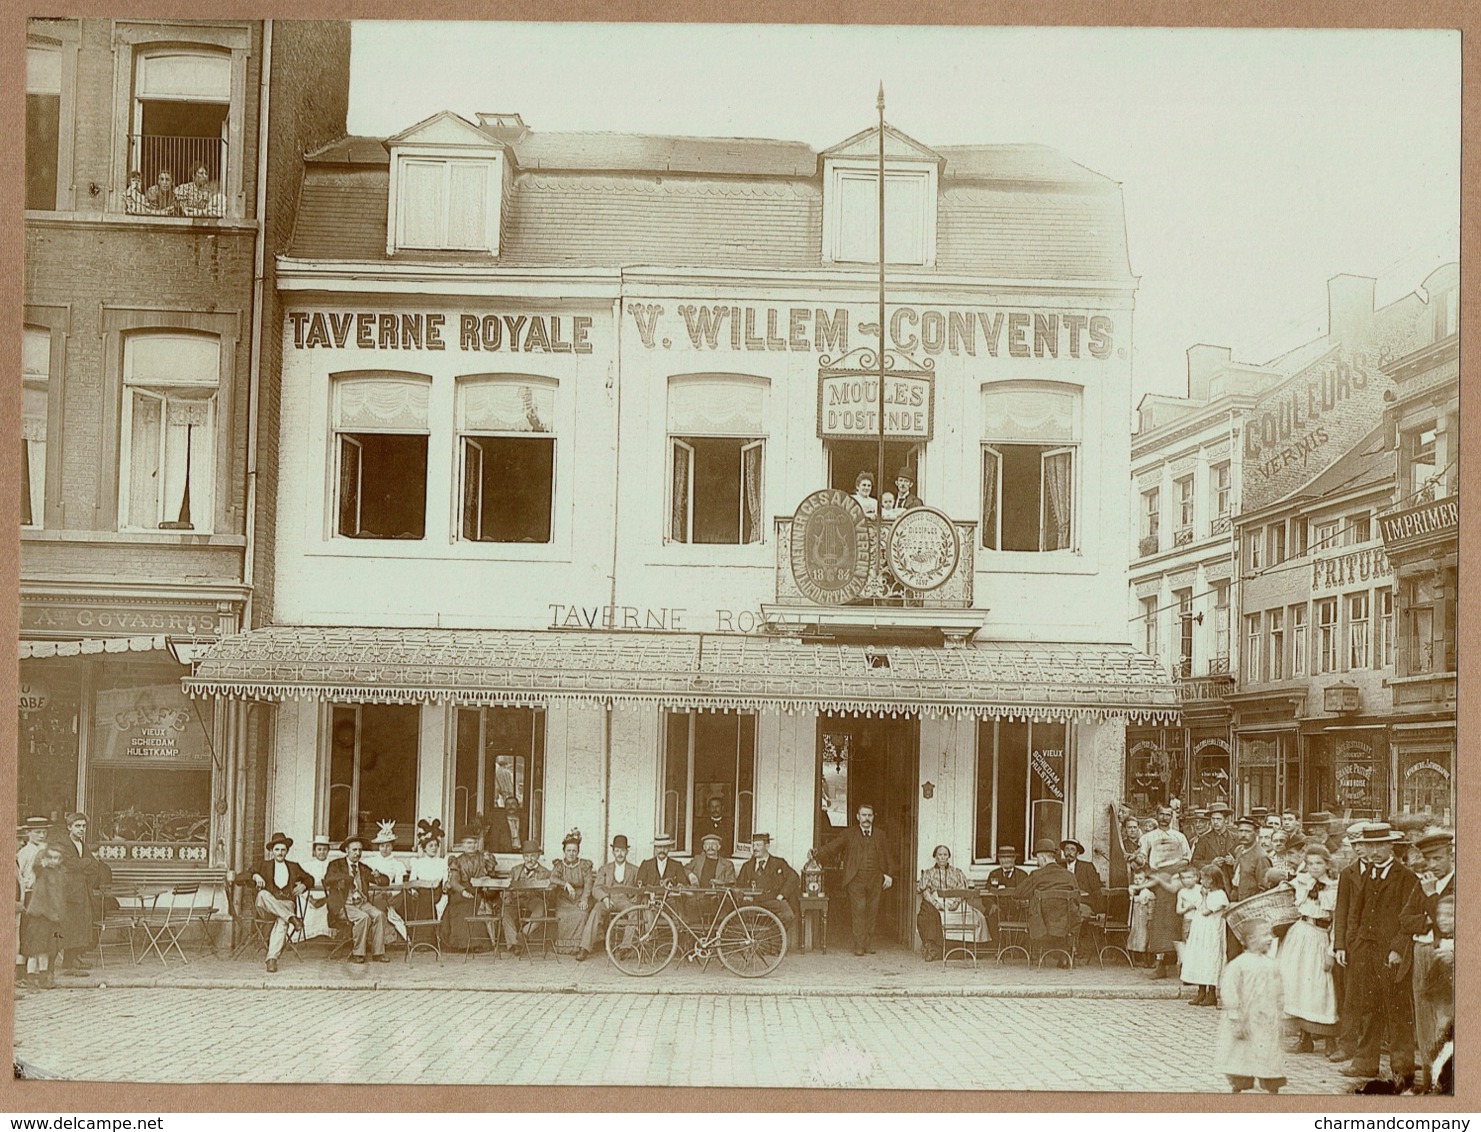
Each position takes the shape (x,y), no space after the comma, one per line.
(421,204)
(467,205)
(681,508)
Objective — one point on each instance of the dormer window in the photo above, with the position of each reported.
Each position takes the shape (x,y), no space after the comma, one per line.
(447,188)
(851,200)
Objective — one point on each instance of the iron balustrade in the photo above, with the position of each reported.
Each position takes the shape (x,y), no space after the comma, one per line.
(180,157)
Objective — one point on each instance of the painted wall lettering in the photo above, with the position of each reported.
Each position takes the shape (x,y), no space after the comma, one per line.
(422,330)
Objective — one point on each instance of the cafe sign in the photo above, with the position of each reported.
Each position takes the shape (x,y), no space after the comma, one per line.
(848,406)
(146,726)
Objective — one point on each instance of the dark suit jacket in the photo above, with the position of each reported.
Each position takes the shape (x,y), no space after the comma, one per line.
(999,877)
(296,875)
(82,874)
(721,870)
(850,846)
(1347,883)
(777,879)
(1089,881)
(337,884)
(673,872)
(1388,912)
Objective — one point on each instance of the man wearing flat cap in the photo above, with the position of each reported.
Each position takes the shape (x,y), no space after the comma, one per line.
(612,889)
(1216,847)
(709,868)
(662,870)
(868,869)
(774,881)
(1432,949)
(34,830)
(1251,867)
(349,882)
(280,882)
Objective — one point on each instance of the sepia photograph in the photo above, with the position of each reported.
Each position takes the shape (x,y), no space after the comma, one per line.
(768,556)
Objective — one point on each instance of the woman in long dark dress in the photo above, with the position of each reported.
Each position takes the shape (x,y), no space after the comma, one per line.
(467,865)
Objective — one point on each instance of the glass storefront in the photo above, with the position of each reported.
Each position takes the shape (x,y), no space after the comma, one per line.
(46,763)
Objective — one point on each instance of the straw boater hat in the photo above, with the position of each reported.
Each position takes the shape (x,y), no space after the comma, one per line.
(387,832)
(322,839)
(663,841)
(1219,808)
(1378,833)
(1080,849)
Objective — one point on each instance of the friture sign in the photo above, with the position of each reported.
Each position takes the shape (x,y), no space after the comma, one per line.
(830,547)
(1439,519)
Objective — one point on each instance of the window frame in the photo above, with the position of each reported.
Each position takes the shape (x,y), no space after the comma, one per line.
(1384,640)
(1275,636)
(405,829)
(464,437)
(336,457)
(1222,641)
(1186,640)
(1048,448)
(836,221)
(53,322)
(64,36)
(1299,652)
(1221,482)
(1152,638)
(1067,804)
(1328,652)
(1183,490)
(533,807)
(684,841)
(1359,629)
(1275,547)
(1254,648)
(445,163)
(680,448)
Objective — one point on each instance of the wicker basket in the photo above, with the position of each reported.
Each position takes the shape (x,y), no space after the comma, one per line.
(1273,908)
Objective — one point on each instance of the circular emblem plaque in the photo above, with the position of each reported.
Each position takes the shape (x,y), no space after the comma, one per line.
(923,548)
(830,547)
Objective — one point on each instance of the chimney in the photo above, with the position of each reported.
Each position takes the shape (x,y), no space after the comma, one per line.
(1349,307)
(1202,362)
(504,127)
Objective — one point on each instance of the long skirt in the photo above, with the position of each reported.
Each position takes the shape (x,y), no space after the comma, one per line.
(569,920)
(1136,939)
(1203,954)
(1305,977)
(455,928)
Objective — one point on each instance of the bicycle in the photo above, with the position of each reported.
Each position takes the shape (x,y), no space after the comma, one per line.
(749,941)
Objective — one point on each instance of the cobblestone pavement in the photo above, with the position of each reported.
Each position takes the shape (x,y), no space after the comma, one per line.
(197,1035)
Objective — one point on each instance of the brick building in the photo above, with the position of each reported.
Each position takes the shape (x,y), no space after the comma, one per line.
(556,414)
(144,303)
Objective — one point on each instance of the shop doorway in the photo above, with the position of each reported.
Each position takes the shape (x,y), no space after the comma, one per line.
(867,759)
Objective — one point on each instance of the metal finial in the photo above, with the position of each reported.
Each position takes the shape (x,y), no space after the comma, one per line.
(880,104)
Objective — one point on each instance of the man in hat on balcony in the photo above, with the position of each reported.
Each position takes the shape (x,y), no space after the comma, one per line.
(868,869)
(776,883)
(1386,910)
(280,882)
(612,890)
(905,497)
(349,882)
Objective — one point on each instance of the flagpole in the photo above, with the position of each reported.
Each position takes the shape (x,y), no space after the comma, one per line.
(879,463)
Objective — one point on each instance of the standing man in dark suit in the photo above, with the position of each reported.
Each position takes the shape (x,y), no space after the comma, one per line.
(717,823)
(1347,883)
(280,882)
(662,870)
(83,876)
(1387,909)
(868,869)
(348,881)
(775,882)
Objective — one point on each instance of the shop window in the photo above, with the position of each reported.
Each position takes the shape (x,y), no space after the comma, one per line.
(1257,772)
(373,770)
(1253,652)
(1222,482)
(709,768)
(1031,437)
(380,449)
(716,459)
(178,137)
(168,452)
(149,766)
(43,124)
(1151,645)
(1183,489)
(1359,778)
(1022,775)
(446,204)
(1275,544)
(48,693)
(1275,637)
(1151,522)
(1358,641)
(35,393)
(499,776)
(852,210)
(1210,773)
(1326,636)
(1185,631)
(1220,662)
(508,453)
(1383,629)
(1426,783)
(1298,640)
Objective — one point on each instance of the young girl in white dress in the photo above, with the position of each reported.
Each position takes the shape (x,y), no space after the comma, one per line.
(1305,954)
(1203,953)
(1187,906)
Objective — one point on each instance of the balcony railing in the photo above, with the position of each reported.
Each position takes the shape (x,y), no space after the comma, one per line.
(154,155)
(1148,545)
(1183,536)
(883,588)
(1221,525)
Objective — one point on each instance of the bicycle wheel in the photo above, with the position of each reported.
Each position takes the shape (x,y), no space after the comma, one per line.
(641,940)
(751,942)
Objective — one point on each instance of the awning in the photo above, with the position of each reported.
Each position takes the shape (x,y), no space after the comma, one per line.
(91,646)
(682,671)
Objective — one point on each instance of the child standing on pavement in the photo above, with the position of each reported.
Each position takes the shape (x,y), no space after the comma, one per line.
(1187,906)
(1203,954)
(1248,1048)
(1141,907)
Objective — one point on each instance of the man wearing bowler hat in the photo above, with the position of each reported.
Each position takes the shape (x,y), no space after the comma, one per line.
(868,869)
(905,497)
(280,882)
(612,890)
(776,883)
(349,882)
(1216,847)
(1053,899)
(1386,910)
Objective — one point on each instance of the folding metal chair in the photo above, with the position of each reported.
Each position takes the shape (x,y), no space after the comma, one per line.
(419,910)
(1052,907)
(1115,926)
(163,927)
(537,922)
(1012,928)
(125,918)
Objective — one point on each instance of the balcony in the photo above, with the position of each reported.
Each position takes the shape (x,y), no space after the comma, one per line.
(1183,536)
(155,155)
(1221,525)
(1149,544)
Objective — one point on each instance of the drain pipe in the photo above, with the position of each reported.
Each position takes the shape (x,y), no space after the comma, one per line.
(615,380)
(254,374)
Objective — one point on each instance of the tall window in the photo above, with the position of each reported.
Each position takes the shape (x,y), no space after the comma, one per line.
(1221,627)
(1254,549)
(1383,641)
(380,449)
(1022,779)
(499,775)
(445,204)
(1222,483)
(1253,652)
(1151,521)
(709,768)
(1418,465)
(1420,597)
(716,459)
(1359,528)
(1031,435)
(508,452)
(1298,640)
(1299,536)
(1358,609)
(1276,546)
(1275,624)
(1183,488)
(181,112)
(1326,636)
(373,769)
(43,124)
(168,454)
(1326,535)
(1185,631)
(1150,643)
(35,383)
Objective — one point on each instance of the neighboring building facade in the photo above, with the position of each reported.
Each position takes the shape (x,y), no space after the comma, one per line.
(554,407)
(139,371)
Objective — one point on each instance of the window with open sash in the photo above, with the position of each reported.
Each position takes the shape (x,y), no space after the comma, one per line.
(168,454)
(1326,636)
(179,131)
(1383,640)
(709,772)
(716,459)
(1359,612)
(1254,653)
(1185,632)
(380,452)
(1221,479)
(505,430)
(1184,489)
(1150,642)
(1031,436)
(443,203)
(1298,640)
(35,392)
(1275,626)
(1221,627)
(1022,785)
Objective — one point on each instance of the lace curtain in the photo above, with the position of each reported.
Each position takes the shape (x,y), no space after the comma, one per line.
(751,486)
(171,447)
(1057,485)
(716,407)
(1034,415)
(505,405)
(990,465)
(382,404)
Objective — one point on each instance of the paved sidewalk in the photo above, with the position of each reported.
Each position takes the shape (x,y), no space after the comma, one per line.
(890,972)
